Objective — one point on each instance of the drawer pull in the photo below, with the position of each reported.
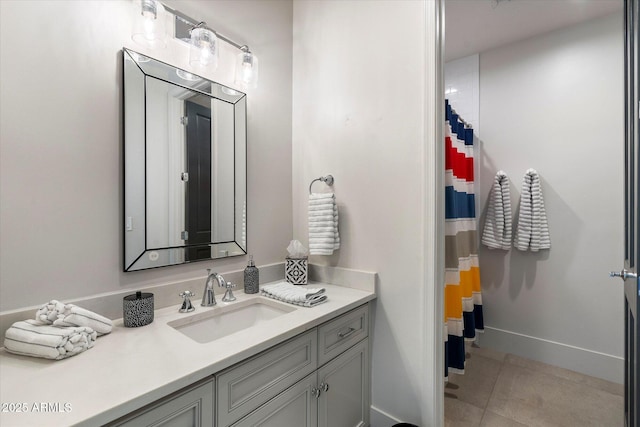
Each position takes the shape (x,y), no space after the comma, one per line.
(346,333)
(315,392)
(324,387)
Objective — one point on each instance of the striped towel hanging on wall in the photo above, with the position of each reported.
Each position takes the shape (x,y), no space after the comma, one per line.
(497,225)
(463,298)
(532,230)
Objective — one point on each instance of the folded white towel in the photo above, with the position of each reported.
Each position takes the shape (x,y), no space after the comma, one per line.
(497,226)
(294,294)
(38,339)
(532,231)
(324,237)
(59,314)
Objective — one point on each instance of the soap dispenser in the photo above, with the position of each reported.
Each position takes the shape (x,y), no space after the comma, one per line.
(251,277)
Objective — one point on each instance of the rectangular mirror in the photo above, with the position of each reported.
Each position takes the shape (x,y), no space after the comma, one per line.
(185,166)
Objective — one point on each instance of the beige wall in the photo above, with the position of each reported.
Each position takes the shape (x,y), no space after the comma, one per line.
(555,103)
(360,86)
(61,142)
(363,109)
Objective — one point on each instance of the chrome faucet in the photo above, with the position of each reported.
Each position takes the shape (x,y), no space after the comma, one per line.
(209,296)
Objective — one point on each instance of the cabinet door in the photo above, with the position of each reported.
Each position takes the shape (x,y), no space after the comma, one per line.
(344,389)
(191,407)
(244,387)
(296,406)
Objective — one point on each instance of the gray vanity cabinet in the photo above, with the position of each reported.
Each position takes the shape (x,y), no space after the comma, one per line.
(335,394)
(249,384)
(319,378)
(189,407)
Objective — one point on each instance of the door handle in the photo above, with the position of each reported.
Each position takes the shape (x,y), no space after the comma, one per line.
(624,274)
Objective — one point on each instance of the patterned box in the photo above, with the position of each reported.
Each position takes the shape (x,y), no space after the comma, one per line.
(295,270)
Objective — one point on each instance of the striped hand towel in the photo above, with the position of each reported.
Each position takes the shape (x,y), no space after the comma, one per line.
(323,224)
(37,339)
(294,294)
(532,231)
(497,226)
(59,314)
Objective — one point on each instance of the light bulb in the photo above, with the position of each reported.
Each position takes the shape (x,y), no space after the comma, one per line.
(204,47)
(149,27)
(247,69)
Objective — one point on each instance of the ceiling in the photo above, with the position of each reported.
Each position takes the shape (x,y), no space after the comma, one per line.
(473,26)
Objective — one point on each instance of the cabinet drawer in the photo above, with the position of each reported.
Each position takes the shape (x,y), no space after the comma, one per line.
(192,406)
(339,334)
(244,387)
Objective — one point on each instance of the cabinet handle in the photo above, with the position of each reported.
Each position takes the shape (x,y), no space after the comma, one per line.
(347,333)
(315,392)
(324,387)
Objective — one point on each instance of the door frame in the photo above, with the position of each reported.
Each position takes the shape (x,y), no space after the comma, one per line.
(433,208)
(632,206)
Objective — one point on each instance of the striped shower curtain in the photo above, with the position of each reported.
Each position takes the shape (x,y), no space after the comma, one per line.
(463,298)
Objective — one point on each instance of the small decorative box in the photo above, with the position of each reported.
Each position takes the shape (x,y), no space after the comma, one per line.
(137,309)
(295,270)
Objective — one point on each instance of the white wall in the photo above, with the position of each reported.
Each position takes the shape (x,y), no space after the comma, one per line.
(61,142)
(462,88)
(555,103)
(360,89)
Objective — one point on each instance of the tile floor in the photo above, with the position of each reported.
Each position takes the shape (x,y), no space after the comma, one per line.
(503,390)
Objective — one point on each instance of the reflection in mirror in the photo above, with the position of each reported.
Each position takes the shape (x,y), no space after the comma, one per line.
(185,166)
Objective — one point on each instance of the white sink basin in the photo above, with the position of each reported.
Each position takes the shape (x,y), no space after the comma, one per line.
(219,321)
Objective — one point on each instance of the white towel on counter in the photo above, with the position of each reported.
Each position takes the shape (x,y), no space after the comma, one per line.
(38,339)
(294,294)
(497,227)
(59,314)
(532,230)
(323,224)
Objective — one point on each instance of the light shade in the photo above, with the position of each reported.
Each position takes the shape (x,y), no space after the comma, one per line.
(149,24)
(247,69)
(204,48)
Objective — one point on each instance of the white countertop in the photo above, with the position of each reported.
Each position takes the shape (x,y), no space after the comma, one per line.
(131,367)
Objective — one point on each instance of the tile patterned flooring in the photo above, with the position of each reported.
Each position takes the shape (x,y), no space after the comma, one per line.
(503,390)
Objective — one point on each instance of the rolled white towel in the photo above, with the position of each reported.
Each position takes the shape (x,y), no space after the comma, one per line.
(295,294)
(59,314)
(38,339)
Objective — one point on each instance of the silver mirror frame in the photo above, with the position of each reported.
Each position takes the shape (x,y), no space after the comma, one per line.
(138,253)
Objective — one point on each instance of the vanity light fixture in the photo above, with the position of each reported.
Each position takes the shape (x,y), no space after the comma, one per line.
(149,23)
(246,68)
(204,47)
(149,26)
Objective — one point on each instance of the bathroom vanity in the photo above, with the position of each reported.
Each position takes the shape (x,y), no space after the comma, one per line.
(305,367)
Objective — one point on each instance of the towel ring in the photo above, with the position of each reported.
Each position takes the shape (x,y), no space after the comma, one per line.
(326,179)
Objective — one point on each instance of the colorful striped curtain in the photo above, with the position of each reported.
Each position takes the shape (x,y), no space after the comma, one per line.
(463,298)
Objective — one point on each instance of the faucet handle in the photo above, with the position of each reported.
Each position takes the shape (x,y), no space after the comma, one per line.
(186,307)
(228,295)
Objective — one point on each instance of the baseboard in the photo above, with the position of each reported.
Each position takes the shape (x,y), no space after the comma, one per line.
(379,418)
(585,361)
